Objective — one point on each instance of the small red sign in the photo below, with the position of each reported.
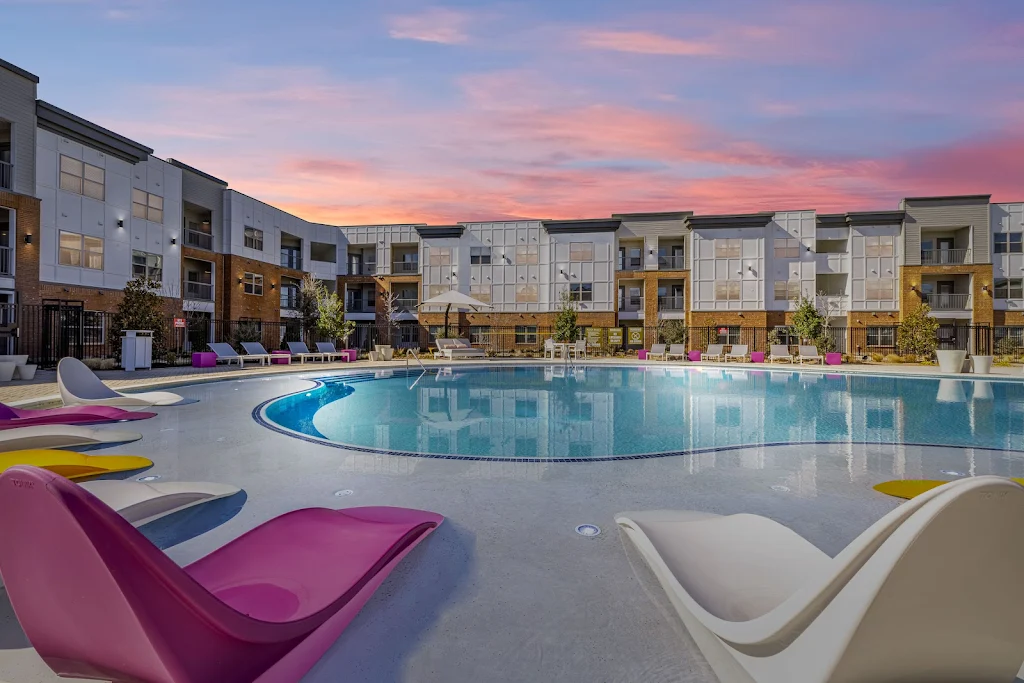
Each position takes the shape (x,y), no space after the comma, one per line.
(723,330)
(179,322)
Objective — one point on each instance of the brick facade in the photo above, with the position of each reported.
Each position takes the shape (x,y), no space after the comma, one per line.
(26,256)
(981,300)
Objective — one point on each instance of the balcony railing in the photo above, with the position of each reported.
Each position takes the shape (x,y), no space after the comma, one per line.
(948,302)
(6,175)
(671,303)
(406,304)
(631,303)
(945,257)
(405,267)
(630,263)
(198,291)
(671,262)
(291,259)
(199,240)
(289,300)
(6,261)
(362,269)
(359,306)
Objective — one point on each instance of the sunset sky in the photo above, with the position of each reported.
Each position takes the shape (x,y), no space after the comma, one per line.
(351,112)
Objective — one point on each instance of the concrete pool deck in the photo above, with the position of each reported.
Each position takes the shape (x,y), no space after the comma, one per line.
(505,590)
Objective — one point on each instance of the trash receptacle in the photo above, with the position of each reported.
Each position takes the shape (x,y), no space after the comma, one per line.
(136,349)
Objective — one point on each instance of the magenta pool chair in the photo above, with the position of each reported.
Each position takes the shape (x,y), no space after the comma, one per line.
(76,415)
(98,600)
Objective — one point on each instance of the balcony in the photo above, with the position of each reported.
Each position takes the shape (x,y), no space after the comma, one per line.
(945,257)
(291,258)
(832,263)
(671,262)
(6,175)
(406,304)
(6,260)
(289,300)
(631,263)
(198,291)
(199,240)
(631,304)
(671,303)
(948,302)
(359,306)
(362,269)
(405,267)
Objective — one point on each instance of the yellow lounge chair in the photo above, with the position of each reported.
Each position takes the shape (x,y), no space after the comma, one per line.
(73,465)
(911,488)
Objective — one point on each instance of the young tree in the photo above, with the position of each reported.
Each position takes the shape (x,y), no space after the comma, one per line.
(389,306)
(141,308)
(331,319)
(829,308)
(566,327)
(807,321)
(917,333)
(311,292)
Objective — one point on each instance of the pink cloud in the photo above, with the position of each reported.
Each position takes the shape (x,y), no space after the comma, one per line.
(643,42)
(436,25)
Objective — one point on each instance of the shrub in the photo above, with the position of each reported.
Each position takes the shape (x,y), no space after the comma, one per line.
(876,357)
(673,332)
(246,331)
(807,321)
(141,308)
(917,334)
(1007,346)
(1002,361)
(894,358)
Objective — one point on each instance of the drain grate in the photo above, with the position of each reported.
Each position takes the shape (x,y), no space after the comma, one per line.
(780,488)
(953,473)
(149,477)
(588,530)
(344,492)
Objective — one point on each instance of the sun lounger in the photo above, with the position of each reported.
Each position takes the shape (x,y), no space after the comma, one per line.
(73,465)
(224,352)
(79,386)
(676,350)
(329,352)
(264,607)
(714,352)
(61,436)
(25,417)
(301,351)
(256,351)
(911,488)
(144,502)
(443,345)
(780,352)
(657,351)
(461,348)
(766,606)
(737,352)
(810,353)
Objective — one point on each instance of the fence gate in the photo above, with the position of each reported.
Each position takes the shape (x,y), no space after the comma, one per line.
(63,331)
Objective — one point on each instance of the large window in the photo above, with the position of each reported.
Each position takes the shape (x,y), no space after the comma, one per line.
(1009,288)
(409,333)
(480,255)
(439,256)
(93,328)
(878,245)
(526,334)
(253,238)
(787,335)
(787,248)
(436,290)
(728,248)
(727,290)
(149,266)
(526,294)
(1008,242)
(80,251)
(147,206)
(879,290)
(81,178)
(581,251)
(253,284)
(481,293)
(526,254)
(881,336)
(581,291)
(479,334)
(787,290)
(729,335)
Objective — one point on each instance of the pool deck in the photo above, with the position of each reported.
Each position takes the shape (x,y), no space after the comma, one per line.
(505,590)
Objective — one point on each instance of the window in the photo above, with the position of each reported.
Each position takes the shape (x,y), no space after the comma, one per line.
(436,290)
(409,333)
(881,336)
(81,178)
(1008,242)
(147,206)
(729,335)
(878,245)
(80,251)
(787,290)
(581,251)
(439,256)
(481,293)
(526,334)
(730,248)
(149,266)
(879,290)
(526,294)
(480,255)
(581,291)
(1009,288)
(526,254)
(787,248)
(253,238)
(253,284)
(480,334)
(727,290)
(93,328)
(787,335)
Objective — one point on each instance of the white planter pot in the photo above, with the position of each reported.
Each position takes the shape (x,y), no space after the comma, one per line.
(951,361)
(6,371)
(982,365)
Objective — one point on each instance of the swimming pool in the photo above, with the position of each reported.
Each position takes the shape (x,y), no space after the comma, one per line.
(581,413)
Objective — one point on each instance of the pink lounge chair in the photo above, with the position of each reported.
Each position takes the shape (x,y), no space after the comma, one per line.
(98,600)
(74,415)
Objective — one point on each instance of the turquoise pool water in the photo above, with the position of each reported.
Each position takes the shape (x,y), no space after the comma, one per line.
(595,412)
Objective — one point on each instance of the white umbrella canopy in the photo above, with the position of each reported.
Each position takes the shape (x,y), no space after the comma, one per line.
(453,297)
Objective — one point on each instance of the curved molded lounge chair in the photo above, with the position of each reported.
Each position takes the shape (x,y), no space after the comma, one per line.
(73,465)
(265,607)
(79,386)
(766,606)
(61,436)
(23,417)
(911,488)
(144,502)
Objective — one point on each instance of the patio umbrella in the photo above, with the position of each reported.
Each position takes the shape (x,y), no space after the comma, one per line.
(453,297)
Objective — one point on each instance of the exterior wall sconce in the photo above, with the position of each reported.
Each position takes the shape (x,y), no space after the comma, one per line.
(174,240)
(984,288)
(913,288)
(239,280)
(651,252)
(28,239)
(273,286)
(120,222)
(740,314)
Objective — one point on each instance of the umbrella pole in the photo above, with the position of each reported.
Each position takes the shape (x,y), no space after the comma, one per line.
(446,310)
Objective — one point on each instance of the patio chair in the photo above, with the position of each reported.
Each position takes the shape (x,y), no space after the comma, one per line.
(256,351)
(809,353)
(224,352)
(144,502)
(442,347)
(714,352)
(780,352)
(71,464)
(657,351)
(737,352)
(301,351)
(676,350)
(61,436)
(579,349)
(79,386)
(329,352)
(83,415)
(766,606)
(550,348)
(461,348)
(265,607)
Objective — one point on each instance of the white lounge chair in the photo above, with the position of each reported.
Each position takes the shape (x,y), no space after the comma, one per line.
(550,348)
(780,352)
(61,436)
(737,352)
(714,352)
(329,352)
(443,345)
(461,348)
(657,351)
(676,350)
(810,353)
(143,502)
(255,351)
(79,386)
(301,351)
(766,606)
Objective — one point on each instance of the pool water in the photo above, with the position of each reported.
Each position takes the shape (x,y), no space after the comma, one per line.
(600,412)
